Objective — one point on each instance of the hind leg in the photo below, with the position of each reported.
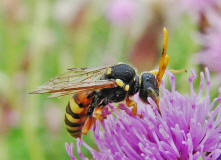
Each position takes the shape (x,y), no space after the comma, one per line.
(174,71)
(88,124)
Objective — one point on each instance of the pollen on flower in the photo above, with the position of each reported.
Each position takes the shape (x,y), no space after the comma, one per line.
(188,128)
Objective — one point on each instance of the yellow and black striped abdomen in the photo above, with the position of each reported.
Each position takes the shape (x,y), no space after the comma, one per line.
(76,113)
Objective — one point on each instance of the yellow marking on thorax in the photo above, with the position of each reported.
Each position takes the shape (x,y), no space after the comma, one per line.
(109,70)
(127,87)
(119,82)
(71,119)
(75,107)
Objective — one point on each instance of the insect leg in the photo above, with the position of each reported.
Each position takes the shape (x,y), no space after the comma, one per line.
(95,103)
(88,124)
(90,119)
(174,71)
(98,114)
(133,104)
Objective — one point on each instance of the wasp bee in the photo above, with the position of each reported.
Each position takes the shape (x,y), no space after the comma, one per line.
(93,88)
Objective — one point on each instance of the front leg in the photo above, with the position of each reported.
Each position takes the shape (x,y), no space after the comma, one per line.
(132,103)
(97,114)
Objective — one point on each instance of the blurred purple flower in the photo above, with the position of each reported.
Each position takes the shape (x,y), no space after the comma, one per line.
(219,158)
(199,6)
(210,55)
(121,12)
(189,128)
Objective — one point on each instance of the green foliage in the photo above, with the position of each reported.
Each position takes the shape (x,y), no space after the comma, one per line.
(181,47)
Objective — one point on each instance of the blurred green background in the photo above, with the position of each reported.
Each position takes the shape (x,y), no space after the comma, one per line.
(42,38)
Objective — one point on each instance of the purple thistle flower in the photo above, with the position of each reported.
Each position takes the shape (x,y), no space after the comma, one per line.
(69,150)
(211,42)
(188,128)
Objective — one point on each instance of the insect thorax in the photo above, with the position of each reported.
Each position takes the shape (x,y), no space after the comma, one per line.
(121,71)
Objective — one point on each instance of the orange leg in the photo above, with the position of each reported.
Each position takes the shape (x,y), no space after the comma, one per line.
(174,71)
(98,114)
(132,103)
(88,124)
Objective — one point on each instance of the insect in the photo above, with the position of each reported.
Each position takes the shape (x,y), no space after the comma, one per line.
(93,88)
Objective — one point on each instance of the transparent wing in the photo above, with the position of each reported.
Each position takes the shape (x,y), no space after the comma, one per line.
(76,80)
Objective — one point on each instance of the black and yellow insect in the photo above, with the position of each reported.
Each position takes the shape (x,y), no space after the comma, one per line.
(93,88)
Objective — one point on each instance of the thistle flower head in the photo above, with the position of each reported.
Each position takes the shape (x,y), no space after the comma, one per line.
(188,128)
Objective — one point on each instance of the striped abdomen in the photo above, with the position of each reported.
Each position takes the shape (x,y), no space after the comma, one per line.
(76,113)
